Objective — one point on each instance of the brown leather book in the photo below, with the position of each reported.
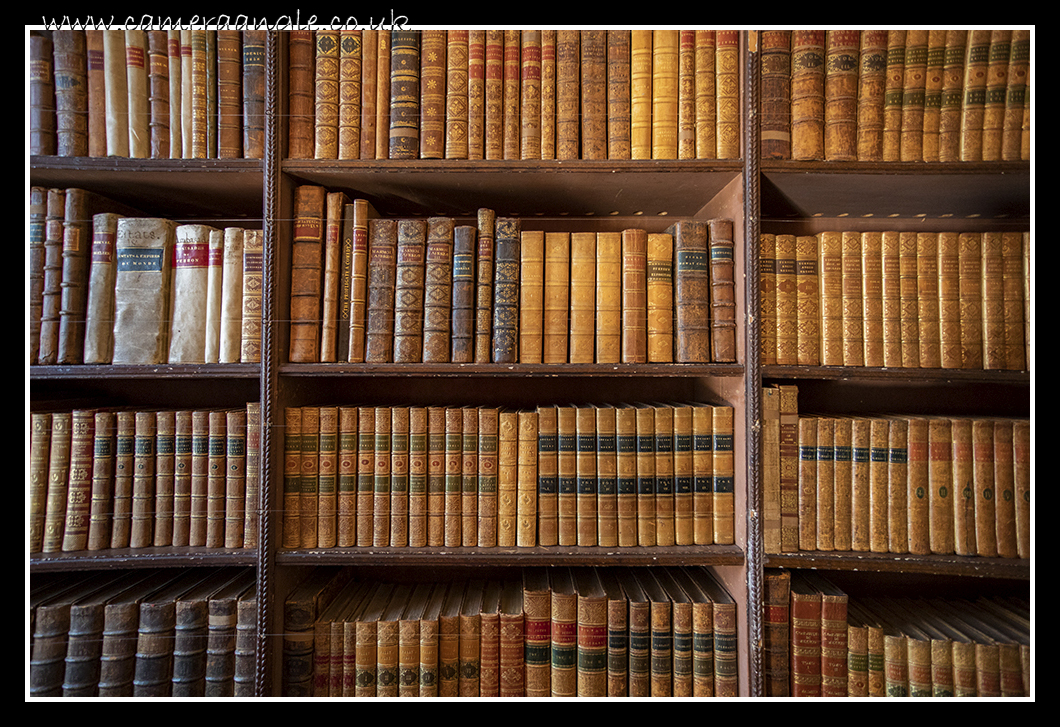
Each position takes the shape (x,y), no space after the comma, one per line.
(307,272)
(807,94)
(456,94)
(165,483)
(593,94)
(493,132)
(910,302)
(117,99)
(333,323)
(142,290)
(97,93)
(952,99)
(568,84)
(1016,95)
(176,95)
(843,483)
(592,633)
(547,490)
(381,479)
(586,475)
(253,93)
(664,96)
(409,291)
(724,474)
(382,271)
(325,93)
(892,297)
(530,94)
(556,291)
(618,93)
(722,290)
(914,87)
(1013,309)
(215,500)
(996,90)
(438,294)
(564,632)
(702,475)
(433,90)
(872,84)
(645,439)
(692,285)
(531,295)
(103,459)
(807,301)
(665,502)
(404,121)
(634,296)
(512,74)
(567,475)
(777,632)
(71,92)
(548,94)
(842,49)
(349,93)
(853,328)
(973,108)
(486,477)
(252,507)
(327,474)
(124,447)
(787,305)
(686,95)
(872,297)
(807,495)
(136,60)
(462,344)
(141,521)
(369,80)
(251,315)
(933,82)
(776,94)
(38,207)
(346,475)
(42,95)
(508,477)
(476,93)
(605,452)
(640,94)
(706,91)
(892,97)
(527,492)
(484,262)
(608,297)
(229,94)
(399,476)
(928,299)
(469,495)
(582,297)
(300,75)
(824,509)
(506,291)
(365,475)
(728,93)
(660,297)
(453,458)
(292,470)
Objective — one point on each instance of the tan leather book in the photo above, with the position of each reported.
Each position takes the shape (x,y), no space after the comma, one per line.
(71,92)
(365,475)
(306,273)
(229,94)
(548,94)
(1013,310)
(136,67)
(382,272)
(124,447)
(331,275)
(860,505)
(892,298)
(383,71)
(433,90)
(141,529)
(292,473)
(164,485)
(1016,95)
(484,261)
(203,120)
(42,94)
(456,94)
(236,477)
(438,296)
(586,475)
(686,95)
(381,479)
(418,468)
(1021,461)
(940,480)
(251,520)
(568,92)
(807,301)
(410,290)
(927,271)
(556,292)
(702,474)
(933,83)
(564,633)
(593,94)
(1005,489)
(842,482)
(309,493)
(583,256)
(608,297)
(993,305)
(693,317)
(251,314)
(476,93)
(787,305)
(660,297)
(807,498)
(872,296)
(399,476)
(512,68)
(369,81)
(872,83)
(963,491)
(897,482)
(530,95)
(910,301)
(983,485)
(103,460)
(231,323)
(914,86)
(640,94)
(606,476)
(49,512)
(970,262)
(892,98)
(531,295)
(973,108)
(530,503)
(486,477)
(996,90)
(592,630)
(645,438)
(567,475)
(664,86)
(634,296)
(853,336)
(842,54)
(99,313)
(879,485)
(454,442)
(917,508)
(436,474)
(807,94)
(952,99)
(665,501)
(537,610)
(79,482)
(142,290)
(493,133)
(618,93)
(38,207)
(353,281)
(830,270)
(349,92)
(825,508)
(404,112)
(507,477)
(706,87)
(724,474)
(728,94)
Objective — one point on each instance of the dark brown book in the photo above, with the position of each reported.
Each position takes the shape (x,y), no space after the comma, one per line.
(300,75)
(193,622)
(438,295)
(776,628)
(506,291)
(776,94)
(722,290)
(41,95)
(692,291)
(404,94)
(229,94)
(165,476)
(307,273)
(409,291)
(484,275)
(246,644)
(639,615)
(433,90)
(301,607)
(103,460)
(334,310)
(462,343)
(382,272)
(51,276)
(253,86)
(71,92)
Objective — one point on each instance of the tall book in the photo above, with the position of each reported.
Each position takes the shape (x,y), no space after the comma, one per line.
(144,248)
(487,477)
(703,474)
(537,614)
(592,633)
(301,607)
(807,94)
(462,340)
(306,273)
(892,97)
(914,87)
(776,632)
(776,94)
(585,467)
(606,452)
(404,94)
(664,86)
(787,298)
(659,288)
(566,475)
(618,90)
(807,299)
(192,262)
(530,94)
(640,94)
(333,304)
(608,297)
(564,632)
(722,290)
(872,83)
(634,296)
(457,107)
(568,86)
(251,313)
(842,53)
(728,93)
(531,295)
(71,92)
(593,94)
(382,271)
(556,293)
(484,275)
(409,291)
(582,297)
(639,615)
(692,281)
(506,291)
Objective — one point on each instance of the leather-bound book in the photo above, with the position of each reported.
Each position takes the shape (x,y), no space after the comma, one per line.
(776,93)
(325,93)
(469,663)
(381,478)
(592,633)
(348,452)
(567,475)
(427,669)
(382,271)
(476,93)
(512,75)
(526,486)
(618,93)
(703,474)
(365,475)
(807,497)
(771,469)
(191,635)
(970,264)
(165,471)
(124,447)
(136,65)
(665,45)
(787,305)
(484,254)
(830,270)
(333,323)
(95,87)
(409,287)
(231,307)
(842,486)
(586,475)
(548,94)
(301,98)
(253,93)
(433,90)
(853,300)
(486,477)
(469,495)
(203,121)
(369,79)
(964,494)
(1013,310)
(724,474)
(593,94)
(661,643)
(914,86)
(307,273)
(1005,489)
(493,132)
(216,480)
(910,301)
(634,296)
(933,82)
(437,298)
(252,508)
(512,659)
(462,343)
(824,508)
(564,632)
(301,607)
(388,643)
(144,249)
(722,290)
(891,291)
(537,610)
(456,94)
(246,643)
(789,467)
(640,94)
(973,109)
(692,291)
(349,94)
(645,434)
(686,95)
(606,476)
(807,94)
(872,84)
(327,466)
(1022,484)
(660,297)
(454,442)
(626,473)
(506,291)
(664,476)
(682,596)
(530,95)
(927,271)
(292,469)
(807,301)
(1016,95)
(222,635)
(805,638)
(59,451)
(993,307)
(508,477)
(101,502)
(531,295)
(872,297)
(897,484)
(229,94)
(556,292)
(191,273)
(367,640)
(996,90)
(706,91)
(251,313)
(582,297)
(38,207)
(728,94)
(176,94)
(99,312)
(952,97)
(834,637)
(42,95)
(940,481)
(214,288)
(435,485)
(892,96)
(639,620)
(404,94)
(777,632)
(568,86)
(71,92)
(842,49)
(117,99)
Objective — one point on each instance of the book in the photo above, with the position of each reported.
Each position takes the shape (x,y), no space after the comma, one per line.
(301,606)
(693,313)
(231,323)
(728,93)
(592,633)
(331,287)
(842,54)
(556,294)
(251,313)
(382,271)
(914,86)
(506,291)
(409,292)
(807,94)
(306,273)
(659,286)
(537,615)
(193,258)
(776,94)
(664,93)
(404,119)
(776,632)
(583,258)
(484,274)
(722,290)
(462,339)
(192,635)
(528,503)
(531,296)
(634,296)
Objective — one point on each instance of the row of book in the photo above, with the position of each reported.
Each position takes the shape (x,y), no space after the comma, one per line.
(123,478)
(188,93)
(514,94)
(940,95)
(551,632)
(897,299)
(145,290)
(822,641)
(149,633)
(895,484)
(625,476)
(371,289)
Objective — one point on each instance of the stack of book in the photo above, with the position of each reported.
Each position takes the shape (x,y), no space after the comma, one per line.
(896,95)
(152,633)
(588,475)
(861,646)
(899,484)
(143,290)
(897,299)
(381,290)
(554,632)
(514,94)
(123,478)
(148,94)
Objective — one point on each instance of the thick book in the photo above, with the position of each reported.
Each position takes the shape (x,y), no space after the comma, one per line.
(634,296)
(382,271)
(692,291)
(438,295)
(409,291)
(840,94)
(872,80)
(537,624)
(531,295)
(306,273)
(776,94)
(193,258)
(807,94)
(722,290)
(583,258)
(659,286)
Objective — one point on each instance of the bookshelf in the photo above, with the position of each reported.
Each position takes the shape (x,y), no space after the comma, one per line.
(757,194)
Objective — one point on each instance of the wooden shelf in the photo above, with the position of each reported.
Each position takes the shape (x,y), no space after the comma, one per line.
(162,557)
(943,565)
